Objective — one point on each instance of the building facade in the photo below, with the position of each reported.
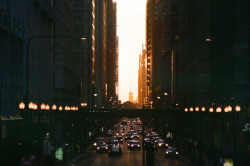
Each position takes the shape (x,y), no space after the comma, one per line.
(112,54)
(142,79)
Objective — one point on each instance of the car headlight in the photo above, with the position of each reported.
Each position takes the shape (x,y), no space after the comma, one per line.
(128,144)
(94,144)
(166,144)
(98,148)
(132,145)
(106,147)
(139,145)
(159,144)
(176,152)
(166,152)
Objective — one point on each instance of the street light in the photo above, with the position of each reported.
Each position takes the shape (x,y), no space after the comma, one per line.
(211,109)
(47,107)
(22,106)
(43,107)
(30,106)
(197,109)
(191,109)
(203,109)
(186,109)
(34,106)
(218,109)
(60,108)
(54,107)
(237,108)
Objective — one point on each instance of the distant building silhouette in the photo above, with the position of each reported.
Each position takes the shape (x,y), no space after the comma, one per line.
(130,98)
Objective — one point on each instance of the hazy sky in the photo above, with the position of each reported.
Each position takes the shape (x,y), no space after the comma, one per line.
(131,32)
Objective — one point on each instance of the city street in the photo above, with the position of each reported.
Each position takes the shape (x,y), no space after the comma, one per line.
(129,158)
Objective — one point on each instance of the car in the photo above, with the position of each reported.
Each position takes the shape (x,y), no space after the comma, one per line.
(109,133)
(134,144)
(120,132)
(136,135)
(128,137)
(115,151)
(119,138)
(113,143)
(172,152)
(101,147)
(97,140)
(139,130)
(131,131)
(161,143)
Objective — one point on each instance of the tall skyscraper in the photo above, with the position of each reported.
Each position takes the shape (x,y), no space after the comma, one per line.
(130,98)
(142,78)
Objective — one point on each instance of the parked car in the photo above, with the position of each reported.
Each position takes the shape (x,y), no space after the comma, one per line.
(115,151)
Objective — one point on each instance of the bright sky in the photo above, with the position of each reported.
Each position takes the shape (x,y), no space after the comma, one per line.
(131,32)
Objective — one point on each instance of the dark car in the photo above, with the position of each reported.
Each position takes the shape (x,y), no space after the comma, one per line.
(136,135)
(133,144)
(102,147)
(128,136)
(119,138)
(113,143)
(97,140)
(115,151)
(171,152)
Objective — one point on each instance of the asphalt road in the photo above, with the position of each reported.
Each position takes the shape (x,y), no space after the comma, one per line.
(129,158)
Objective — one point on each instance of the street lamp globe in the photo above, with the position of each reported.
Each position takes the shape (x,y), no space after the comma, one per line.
(218,109)
(226,109)
(197,109)
(34,106)
(21,105)
(47,107)
(229,108)
(191,109)
(237,108)
(30,105)
(43,107)
(211,109)
(186,109)
(203,109)
(60,108)
(54,107)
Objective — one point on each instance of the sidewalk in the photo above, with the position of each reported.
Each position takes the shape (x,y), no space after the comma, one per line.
(206,162)
(74,160)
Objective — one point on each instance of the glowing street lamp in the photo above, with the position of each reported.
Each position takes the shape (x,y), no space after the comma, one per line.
(30,105)
(218,109)
(43,107)
(60,108)
(47,107)
(211,109)
(237,108)
(191,109)
(34,106)
(229,108)
(197,109)
(186,109)
(54,107)
(21,105)
(203,109)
